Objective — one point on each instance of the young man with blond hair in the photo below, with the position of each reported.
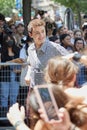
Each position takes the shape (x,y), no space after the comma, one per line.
(40,52)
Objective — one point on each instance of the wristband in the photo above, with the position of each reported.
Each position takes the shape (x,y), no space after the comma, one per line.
(77,57)
(17,124)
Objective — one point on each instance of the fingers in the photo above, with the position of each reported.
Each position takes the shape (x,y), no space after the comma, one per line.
(63,115)
(40,110)
(65,118)
(27,82)
(70,56)
(43,116)
(8,116)
(15,114)
(22,109)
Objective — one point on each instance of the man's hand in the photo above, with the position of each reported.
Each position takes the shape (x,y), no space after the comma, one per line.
(69,56)
(27,77)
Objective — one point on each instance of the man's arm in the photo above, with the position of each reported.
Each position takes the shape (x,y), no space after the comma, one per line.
(27,77)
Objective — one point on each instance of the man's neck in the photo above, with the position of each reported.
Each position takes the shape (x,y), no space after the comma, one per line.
(38,46)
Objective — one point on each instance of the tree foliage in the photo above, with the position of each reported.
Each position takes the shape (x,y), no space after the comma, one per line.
(74,4)
(77,6)
(6,7)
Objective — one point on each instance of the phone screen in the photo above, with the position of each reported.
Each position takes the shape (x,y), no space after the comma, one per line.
(48,104)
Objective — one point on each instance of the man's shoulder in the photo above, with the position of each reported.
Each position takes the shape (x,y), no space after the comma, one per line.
(54,45)
(32,46)
(57,47)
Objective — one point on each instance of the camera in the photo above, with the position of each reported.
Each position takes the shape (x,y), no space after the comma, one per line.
(41,12)
(7,29)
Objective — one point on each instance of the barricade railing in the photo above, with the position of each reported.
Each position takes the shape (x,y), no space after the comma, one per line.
(10,89)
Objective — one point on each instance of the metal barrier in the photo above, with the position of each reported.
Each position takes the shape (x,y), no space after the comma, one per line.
(10,89)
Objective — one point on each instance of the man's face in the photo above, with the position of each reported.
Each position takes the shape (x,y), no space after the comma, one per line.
(38,34)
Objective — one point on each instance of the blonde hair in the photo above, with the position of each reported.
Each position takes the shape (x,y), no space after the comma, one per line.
(34,23)
(60,71)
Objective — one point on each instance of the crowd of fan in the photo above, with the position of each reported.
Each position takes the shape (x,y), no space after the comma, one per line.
(17,47)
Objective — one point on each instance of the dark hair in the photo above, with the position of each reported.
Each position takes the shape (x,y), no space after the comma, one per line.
(14,47)
(84,27)
(85,16)
(77,39)
(41,12)
(2,17)
(63,36)
(85,37)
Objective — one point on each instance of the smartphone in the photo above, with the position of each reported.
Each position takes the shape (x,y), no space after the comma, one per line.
(47,101)
(39,78)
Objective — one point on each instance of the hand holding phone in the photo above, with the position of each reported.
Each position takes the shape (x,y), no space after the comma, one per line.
(47,101)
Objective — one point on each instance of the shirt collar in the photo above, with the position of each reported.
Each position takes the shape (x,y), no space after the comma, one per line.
(42,48)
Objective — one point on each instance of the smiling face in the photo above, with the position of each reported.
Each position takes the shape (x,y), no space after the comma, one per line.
(67,40)
(38,34)
(79,45)
(36,29)
(78,34)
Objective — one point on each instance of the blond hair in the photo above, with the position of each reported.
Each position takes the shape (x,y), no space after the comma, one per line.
(60,70)
(35,23)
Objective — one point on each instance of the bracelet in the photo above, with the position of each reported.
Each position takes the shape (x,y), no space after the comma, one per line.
(17,124)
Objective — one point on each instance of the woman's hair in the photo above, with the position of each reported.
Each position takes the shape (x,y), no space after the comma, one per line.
(60,71)
(74,106)
(5,46)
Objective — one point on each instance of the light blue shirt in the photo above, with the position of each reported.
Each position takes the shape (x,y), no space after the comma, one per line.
(38,58)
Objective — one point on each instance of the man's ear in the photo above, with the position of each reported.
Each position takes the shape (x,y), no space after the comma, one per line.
(30,34)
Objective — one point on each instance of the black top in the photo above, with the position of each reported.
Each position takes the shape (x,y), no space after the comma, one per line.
(6,70)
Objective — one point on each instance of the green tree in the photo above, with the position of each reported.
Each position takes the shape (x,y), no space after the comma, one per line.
(74,4)
(6,7)
(78,6)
